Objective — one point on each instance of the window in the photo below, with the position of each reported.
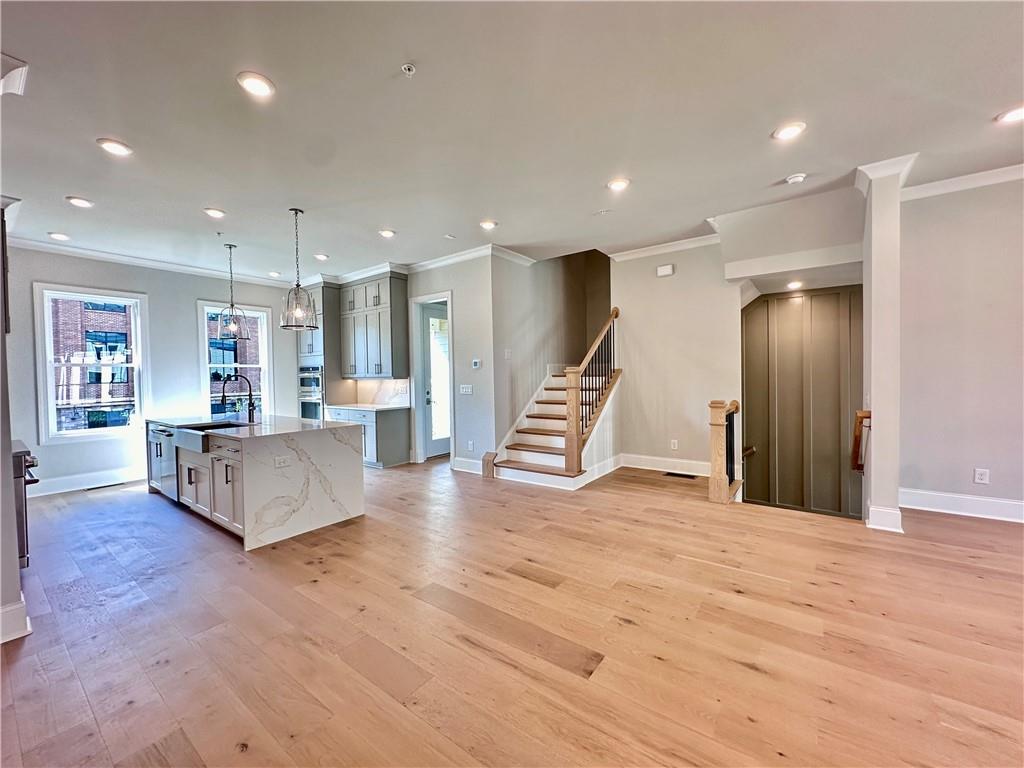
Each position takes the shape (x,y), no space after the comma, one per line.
(89,353)
(224,358)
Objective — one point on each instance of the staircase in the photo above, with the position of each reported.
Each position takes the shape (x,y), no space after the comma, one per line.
(549,439)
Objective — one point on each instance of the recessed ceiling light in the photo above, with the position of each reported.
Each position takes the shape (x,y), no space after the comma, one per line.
(449,236)
(274,274)
(617,185)
(1013,116)
(795,178)
(59,236)
(256,84)
(79,202)
(321,256)
(488,224)
(115,147)
(214,213)
(387,234)
(788,131)
(794,285)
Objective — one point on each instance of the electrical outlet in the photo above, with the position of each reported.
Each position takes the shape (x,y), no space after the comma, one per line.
(282,461)
(465,389)
(674,445)
(981,476)
(403,387)
(469,445)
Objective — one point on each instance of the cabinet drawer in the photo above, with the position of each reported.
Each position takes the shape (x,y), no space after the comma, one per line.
(361,417)
(226,447)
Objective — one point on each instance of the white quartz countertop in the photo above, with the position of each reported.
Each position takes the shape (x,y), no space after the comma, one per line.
(372,406)
(266,426)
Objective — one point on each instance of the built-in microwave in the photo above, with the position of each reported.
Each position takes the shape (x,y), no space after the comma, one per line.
(311,381)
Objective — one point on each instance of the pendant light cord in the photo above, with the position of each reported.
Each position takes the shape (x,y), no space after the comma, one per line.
(295,211)
(231,276)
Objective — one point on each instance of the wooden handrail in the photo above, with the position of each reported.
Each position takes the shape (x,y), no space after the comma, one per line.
(861,422)
(600,336)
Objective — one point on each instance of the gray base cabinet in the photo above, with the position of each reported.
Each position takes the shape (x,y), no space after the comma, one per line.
(386,439)
(375,329)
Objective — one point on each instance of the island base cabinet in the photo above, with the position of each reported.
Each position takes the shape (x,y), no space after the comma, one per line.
(194,481)
(226,482)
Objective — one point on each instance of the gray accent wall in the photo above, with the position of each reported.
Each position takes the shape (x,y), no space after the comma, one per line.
(174,373)
(962,322)
(678,341)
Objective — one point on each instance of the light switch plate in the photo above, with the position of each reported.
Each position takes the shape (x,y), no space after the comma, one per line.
(981,476)
(282,461)
(403,387)
(465,389)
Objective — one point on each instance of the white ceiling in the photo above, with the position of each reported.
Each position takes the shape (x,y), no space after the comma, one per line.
(518,112)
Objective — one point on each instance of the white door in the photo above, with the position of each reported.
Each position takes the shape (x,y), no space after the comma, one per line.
(436,394)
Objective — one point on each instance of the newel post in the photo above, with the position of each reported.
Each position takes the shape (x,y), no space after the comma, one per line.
(718,480)
(573,428)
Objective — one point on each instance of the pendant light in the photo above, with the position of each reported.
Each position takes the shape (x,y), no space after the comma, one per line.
(299,307)
(232,322)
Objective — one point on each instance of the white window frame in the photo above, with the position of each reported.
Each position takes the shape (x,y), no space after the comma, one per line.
(45,400)
(212,305)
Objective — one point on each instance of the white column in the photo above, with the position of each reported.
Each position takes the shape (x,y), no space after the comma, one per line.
(881,183)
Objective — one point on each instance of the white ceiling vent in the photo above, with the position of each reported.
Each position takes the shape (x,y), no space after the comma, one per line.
(12,75)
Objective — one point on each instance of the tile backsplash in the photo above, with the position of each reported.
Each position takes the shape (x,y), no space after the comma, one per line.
(382,391)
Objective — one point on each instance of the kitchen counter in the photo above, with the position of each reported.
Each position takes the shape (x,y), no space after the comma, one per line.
(265,426)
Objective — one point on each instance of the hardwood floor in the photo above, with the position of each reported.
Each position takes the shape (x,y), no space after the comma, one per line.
(467,621)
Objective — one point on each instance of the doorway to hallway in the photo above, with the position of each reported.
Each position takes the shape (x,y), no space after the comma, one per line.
(433,376)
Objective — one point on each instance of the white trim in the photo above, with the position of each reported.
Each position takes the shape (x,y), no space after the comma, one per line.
(48,434)
(48,486)
(815,258)
(473,253)
(138,261)
(895,165)
(14,620)
(515,258)
(384,268)
(961,183)
(267,369)
(884,519)
(417,416)
(988,507)
(663,248)
(473,466)
(15,72)
(662,464)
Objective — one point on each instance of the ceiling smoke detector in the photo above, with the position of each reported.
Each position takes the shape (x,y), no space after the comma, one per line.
(409,69)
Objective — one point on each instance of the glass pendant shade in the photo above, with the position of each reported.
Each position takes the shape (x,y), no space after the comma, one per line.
(232,322)
(299,311)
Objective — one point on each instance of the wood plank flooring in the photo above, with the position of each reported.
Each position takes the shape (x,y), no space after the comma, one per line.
(466,621)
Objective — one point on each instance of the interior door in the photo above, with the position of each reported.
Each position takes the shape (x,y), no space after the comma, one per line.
(436,392)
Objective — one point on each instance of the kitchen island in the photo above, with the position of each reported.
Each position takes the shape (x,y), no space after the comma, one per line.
(265,481)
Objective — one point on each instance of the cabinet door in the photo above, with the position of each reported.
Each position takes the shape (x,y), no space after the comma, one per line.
(227,493)
(348,302)
(153,460)
(373,364)
(317,336)
(358,297)
(186,489)
(369,442)
(384,292)
(348,346)
(386,349)
(201,482)
(360,344)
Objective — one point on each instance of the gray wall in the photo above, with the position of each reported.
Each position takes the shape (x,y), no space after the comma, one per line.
(471,323)
(10,572)
(597,281)
(962,343)
(678,342)
(173,352)
(539,318)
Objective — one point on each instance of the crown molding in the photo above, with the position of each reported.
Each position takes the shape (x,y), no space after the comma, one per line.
(15,72)
(893,166)
(961,183)
(663,248)
(473,253)
(138,261)
(384,268)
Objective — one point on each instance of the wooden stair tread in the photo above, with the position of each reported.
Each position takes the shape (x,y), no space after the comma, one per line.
(554,451)
(541,431)
(542,469)
(553,416)
(549,402)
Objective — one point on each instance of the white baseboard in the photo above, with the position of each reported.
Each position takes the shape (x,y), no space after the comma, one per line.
(476,466)
(662,464)
(65,483)
(885,519)
(14,621)
(988,507)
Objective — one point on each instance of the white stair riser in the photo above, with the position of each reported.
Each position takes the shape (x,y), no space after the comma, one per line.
(533,457)
(556,441)
(549,408)
(552,481)
(558,424)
